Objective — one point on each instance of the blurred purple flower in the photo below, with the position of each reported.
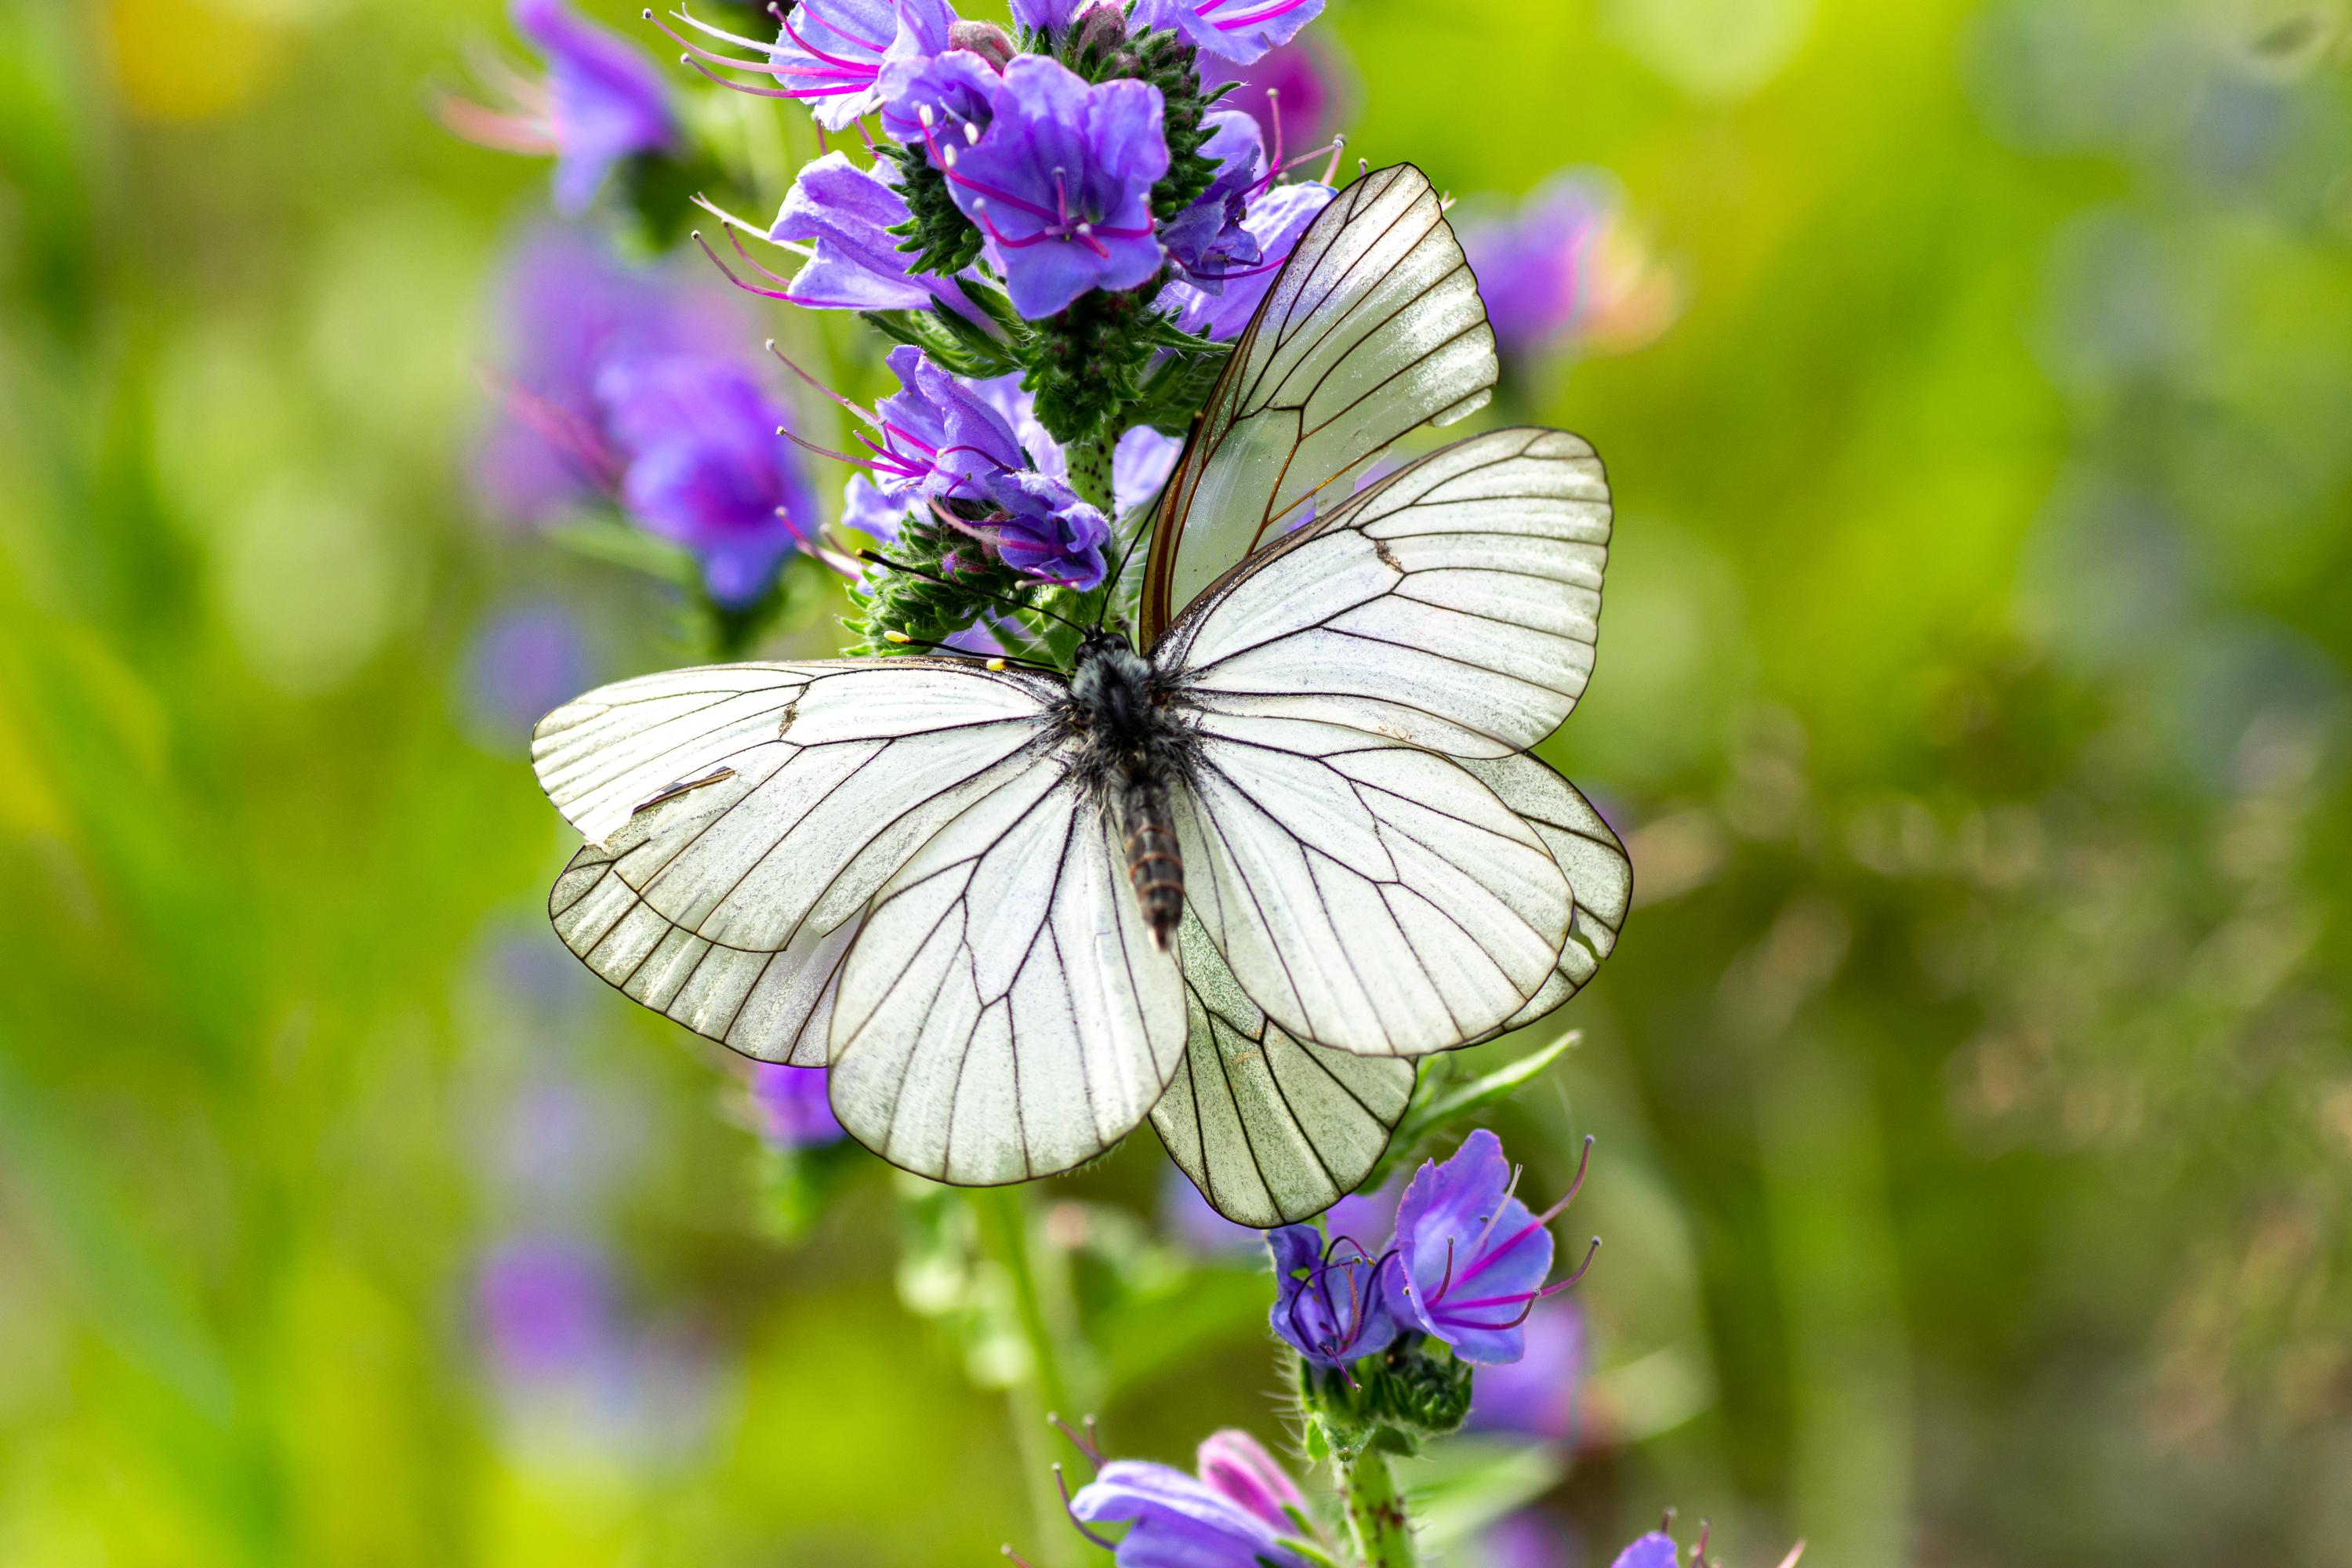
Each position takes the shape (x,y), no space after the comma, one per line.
(521,663)
(544,1306)
(1563,266)
(1471,1258)
(568,307)
(1528,1539)
(1536,1394)
(1306,80)
(1237,30)
(1187,1217)
(1275,220)
(604,101)
(1363,1215)
(1180,1522)
(1655,1550)
(1209,240)
(706,468)
(1328,1303)
(830,53)
(792,1107)
(1061,182)
(1232,1462)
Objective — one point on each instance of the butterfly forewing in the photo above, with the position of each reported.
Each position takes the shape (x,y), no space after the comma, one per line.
(1372,327)
(741,817)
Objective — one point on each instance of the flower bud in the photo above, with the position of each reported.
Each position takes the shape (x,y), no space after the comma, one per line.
(1102,27)
(1237,1465)
(986,39)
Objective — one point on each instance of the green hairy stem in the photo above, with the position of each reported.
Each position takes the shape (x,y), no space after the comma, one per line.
(1376,1512)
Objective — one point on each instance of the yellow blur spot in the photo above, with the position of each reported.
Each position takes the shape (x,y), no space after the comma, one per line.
(895,636)
(996,664)
(188,59)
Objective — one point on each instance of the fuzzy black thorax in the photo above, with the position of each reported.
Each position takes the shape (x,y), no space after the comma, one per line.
(1133,746)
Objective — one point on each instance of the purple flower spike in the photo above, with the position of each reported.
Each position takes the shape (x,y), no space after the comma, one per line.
(792,1110)
(707,469)
(1178,1521)
(1236,30)
(1237,1465)
(1471,1258)
(1534,266)
(1328,1303)
(604,101)
(1061,182)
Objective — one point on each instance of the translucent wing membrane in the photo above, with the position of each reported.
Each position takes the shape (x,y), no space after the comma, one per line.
(1452,606)
(1374,326)
(1598,871)
(1005,1014)
(741,817)
(1269,1129)
(1368,896)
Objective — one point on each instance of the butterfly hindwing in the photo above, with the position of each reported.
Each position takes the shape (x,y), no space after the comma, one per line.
(1372,327)
(1270,1130)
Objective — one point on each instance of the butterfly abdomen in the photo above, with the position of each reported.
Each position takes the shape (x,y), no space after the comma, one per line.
(1154,868)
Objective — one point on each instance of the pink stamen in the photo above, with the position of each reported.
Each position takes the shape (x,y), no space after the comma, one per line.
(747,288)
(771,91)
(770,68)
(721,33)
(994,195)
(866,413)
(809,48)
(501,132)
(1234,23)
(980,211)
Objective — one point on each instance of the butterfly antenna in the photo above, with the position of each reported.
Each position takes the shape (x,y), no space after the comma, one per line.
(943,581)
(993,661)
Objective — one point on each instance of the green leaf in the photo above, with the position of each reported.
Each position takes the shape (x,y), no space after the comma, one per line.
(1438,1106)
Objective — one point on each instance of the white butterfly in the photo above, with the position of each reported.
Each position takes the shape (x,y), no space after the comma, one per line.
(1236,882)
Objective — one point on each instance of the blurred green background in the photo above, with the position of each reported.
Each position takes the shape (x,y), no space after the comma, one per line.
(1973,1081)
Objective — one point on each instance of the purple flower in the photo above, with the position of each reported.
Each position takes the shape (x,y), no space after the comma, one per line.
(947,96)
(1209,240)
(1566,267)
(1363,1214)
(706,469)
(1187,1215)
(604,100)
(1061,181)
(792,1107)
(1179,1522)
(1275,220)
(569,308)
(1471,1258)
(1049,16)
(839,214)
(1237,30)
(545,1305)
(1328,1303)
(1308,83)
(830,53)
(1043,529)
(1536,1394)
